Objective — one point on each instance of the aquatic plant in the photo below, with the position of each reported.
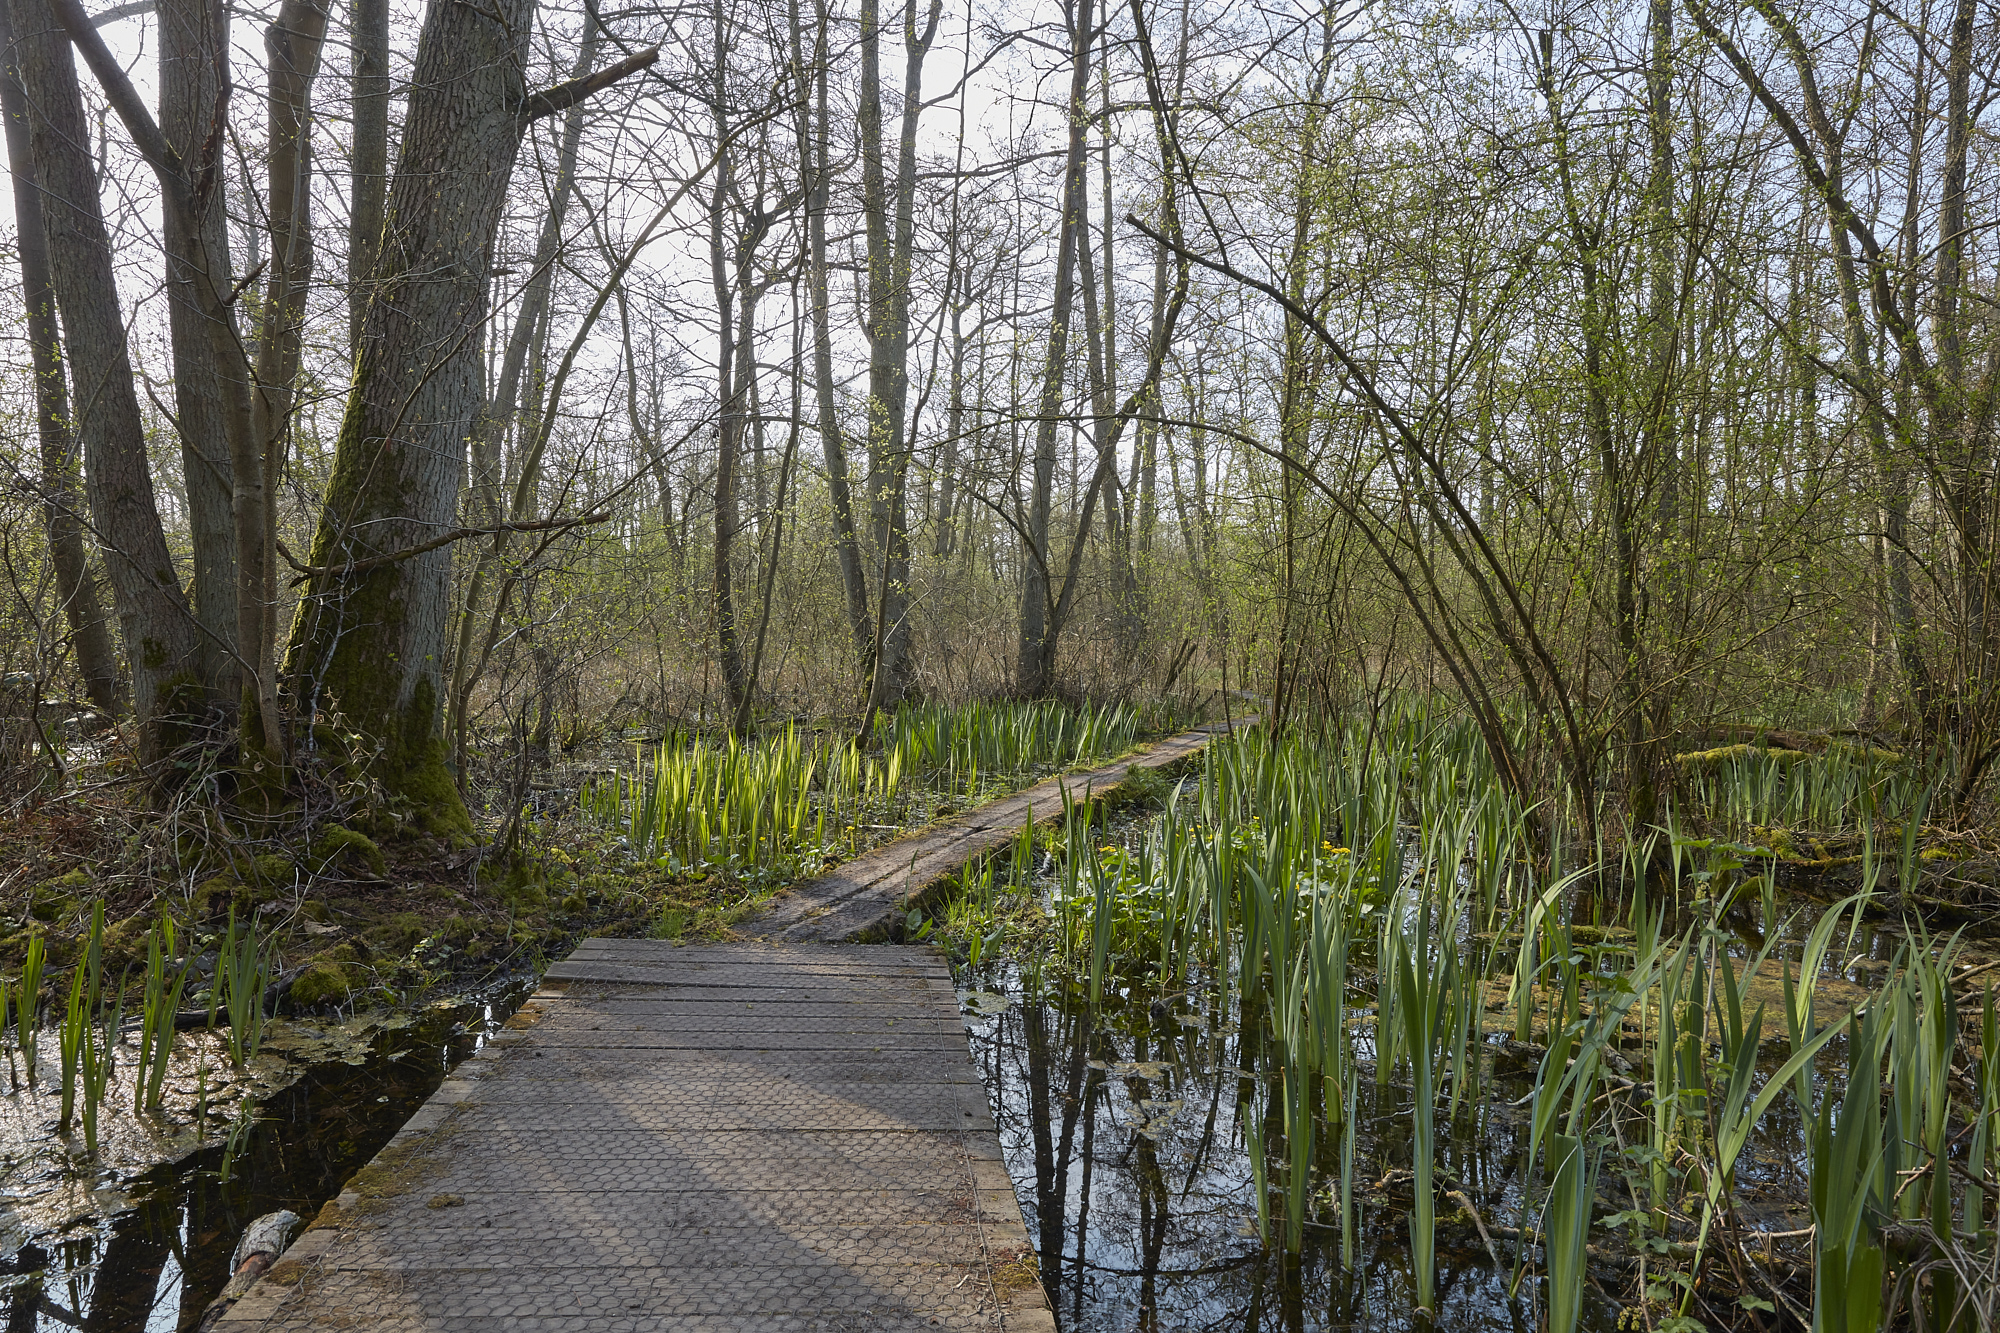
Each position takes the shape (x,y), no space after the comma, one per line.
(27,1006)
(1423,985)
(241,1125)
(1299,867)
(78,1022)
(160,1003)
(99,1051)
(242,973)
(783,803)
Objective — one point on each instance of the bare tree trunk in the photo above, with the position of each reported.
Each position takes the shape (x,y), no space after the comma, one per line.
(959,294)
(161,640)
(741,722)
(368,179)
(815,156)
(61,482)
(194,40)
(1035,659)
(731,392)
(890,225)
(292,45)
(211,354)
(485,497)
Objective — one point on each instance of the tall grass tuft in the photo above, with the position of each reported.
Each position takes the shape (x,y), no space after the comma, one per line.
(27,1007)
(242,972)
(160,1003)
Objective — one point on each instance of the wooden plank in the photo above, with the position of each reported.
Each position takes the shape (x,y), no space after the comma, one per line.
(868,897)
(660,1154)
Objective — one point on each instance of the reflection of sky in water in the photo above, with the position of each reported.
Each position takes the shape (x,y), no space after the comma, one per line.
(156,1264)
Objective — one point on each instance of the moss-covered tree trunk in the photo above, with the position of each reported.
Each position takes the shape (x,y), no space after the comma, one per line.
(369,637)
(161,640)
(370,634)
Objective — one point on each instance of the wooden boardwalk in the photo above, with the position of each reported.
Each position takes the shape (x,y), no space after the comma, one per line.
(784,1136)
(867,898)
(746,1137)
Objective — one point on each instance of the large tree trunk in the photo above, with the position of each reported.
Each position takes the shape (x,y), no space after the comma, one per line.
(61,483)
(815,155)
(162,644)
(292,43)
(369,637)
(212,354)
(194,38)
(890,226)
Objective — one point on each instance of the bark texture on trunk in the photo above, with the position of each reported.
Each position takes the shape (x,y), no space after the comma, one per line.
(1034,674)
(370,641)
(61,480)
(368,179)
(193,36)
(292,44)
(891,227)
(815,152)
(162,643)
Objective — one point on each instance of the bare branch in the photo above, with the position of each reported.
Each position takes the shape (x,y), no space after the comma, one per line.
(571,91)
(351,567)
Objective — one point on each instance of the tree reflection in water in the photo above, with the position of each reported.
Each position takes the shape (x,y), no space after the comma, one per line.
(1124,1139)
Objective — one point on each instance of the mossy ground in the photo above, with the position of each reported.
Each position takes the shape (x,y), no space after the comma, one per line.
(354,921)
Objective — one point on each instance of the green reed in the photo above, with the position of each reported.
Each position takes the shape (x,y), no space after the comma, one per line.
(27,992)
(781,804)
(242,974)
(78,1023)
(159,1006)
(99,1062)
(1383,853)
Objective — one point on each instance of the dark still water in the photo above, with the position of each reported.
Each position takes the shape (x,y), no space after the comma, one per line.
(1124,1132)
(149,1251)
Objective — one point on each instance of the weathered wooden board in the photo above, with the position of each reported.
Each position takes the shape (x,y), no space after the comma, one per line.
(867,898)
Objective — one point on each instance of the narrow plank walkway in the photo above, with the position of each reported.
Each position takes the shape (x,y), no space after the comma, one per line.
(866,898)
(745,1137)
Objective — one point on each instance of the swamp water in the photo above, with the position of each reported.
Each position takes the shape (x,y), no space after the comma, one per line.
(1125,1129)
(120,1249)
(1227,1057)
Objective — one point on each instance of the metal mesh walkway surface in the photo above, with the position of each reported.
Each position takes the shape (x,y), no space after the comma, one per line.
(746,1137)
